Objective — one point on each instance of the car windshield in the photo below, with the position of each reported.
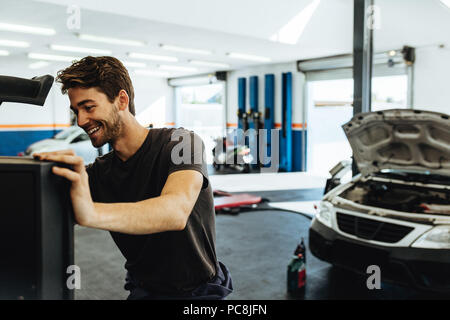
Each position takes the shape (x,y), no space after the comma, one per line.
(65,133)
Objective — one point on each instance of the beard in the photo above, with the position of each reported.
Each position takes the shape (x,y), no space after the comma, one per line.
(111,126)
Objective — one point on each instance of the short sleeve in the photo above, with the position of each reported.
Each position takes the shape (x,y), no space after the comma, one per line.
(186,151)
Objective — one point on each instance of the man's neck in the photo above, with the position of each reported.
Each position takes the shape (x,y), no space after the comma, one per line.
(131,139)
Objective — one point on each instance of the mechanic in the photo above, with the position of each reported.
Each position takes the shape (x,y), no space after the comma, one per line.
(160,212)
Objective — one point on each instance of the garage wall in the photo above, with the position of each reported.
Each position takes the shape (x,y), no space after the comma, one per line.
(432,79)
(22,124)
(154,101)
(298,80)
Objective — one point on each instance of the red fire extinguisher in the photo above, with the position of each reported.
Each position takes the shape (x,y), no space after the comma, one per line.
(296,273)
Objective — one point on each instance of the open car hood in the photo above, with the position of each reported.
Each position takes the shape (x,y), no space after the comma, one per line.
(401,139)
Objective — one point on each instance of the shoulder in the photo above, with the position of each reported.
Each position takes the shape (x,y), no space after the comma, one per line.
(172,136)
(99,163)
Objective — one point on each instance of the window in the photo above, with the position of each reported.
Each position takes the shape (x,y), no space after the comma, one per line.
(330,106)
(201,109)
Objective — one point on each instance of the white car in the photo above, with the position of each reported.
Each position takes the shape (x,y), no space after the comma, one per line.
(395,213)
(73,138)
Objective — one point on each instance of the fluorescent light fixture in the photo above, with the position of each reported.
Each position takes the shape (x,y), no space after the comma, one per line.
(58,47)
(152,73)
(244,56)
(176,68)
(186,50)
(291,31)
(16,44)
(135,55)
(127,42)
(51,57)
(134,64)
(192,81)
(446,2)
(4,53)
(26,29)
(38,64)
(209,64)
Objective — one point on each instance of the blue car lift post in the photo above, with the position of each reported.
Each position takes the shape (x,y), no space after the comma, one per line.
(242,113)
(286,123)
(269,114)
(254,116)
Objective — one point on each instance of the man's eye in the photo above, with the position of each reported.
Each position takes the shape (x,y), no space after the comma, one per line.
(89,108)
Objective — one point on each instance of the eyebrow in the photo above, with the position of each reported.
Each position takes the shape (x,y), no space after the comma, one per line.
(81,103)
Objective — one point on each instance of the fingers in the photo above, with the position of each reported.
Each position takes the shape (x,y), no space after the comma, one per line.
(76,161)
(66,173)
(67,152)
(73,160)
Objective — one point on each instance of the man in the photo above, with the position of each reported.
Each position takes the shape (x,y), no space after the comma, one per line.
(159,210)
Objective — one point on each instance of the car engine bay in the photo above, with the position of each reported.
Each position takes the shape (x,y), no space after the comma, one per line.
(399,197)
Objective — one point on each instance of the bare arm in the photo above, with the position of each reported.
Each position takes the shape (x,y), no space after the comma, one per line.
(168,212)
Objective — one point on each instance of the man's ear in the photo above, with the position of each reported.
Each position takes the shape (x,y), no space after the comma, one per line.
(123,100)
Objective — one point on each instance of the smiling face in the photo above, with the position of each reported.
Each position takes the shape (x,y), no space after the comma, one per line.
(98,116)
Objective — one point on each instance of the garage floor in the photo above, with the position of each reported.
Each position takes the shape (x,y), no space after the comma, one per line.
(256,246)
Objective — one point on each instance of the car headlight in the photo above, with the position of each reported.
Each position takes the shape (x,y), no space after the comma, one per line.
(325,213)
(436,238)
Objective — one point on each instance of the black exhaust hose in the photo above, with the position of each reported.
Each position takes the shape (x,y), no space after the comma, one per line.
(30,91)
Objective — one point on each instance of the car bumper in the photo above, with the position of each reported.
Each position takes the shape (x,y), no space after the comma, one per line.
(424,269)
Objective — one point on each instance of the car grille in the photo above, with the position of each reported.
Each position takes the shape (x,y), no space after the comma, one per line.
(371,229)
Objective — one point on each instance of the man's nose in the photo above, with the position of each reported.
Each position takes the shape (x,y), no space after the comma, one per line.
(82,119)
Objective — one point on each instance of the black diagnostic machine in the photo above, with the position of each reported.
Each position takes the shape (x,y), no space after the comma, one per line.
(36,226)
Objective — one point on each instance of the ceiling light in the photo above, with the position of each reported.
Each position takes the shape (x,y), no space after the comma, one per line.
(209,64)
(244,56)
(79,49)
(392,53)
(446,2)
(4,53)
(134,64)
(127,42)
(51,57)
(152,73)
(176,68)
(38,64)
(26,29)
(11,43)
(187,50)
(155,57)
(291,31)
(193,81)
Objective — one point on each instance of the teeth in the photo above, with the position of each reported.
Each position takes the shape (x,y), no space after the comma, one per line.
(93,130)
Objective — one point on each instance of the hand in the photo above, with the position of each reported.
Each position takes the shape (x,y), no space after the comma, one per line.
(83,206)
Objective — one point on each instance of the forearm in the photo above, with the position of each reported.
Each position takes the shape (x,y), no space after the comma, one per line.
(163,213)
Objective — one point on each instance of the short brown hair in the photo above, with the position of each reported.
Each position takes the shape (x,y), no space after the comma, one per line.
(106,73)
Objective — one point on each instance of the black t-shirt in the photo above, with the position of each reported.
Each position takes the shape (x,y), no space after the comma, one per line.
(165,262)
